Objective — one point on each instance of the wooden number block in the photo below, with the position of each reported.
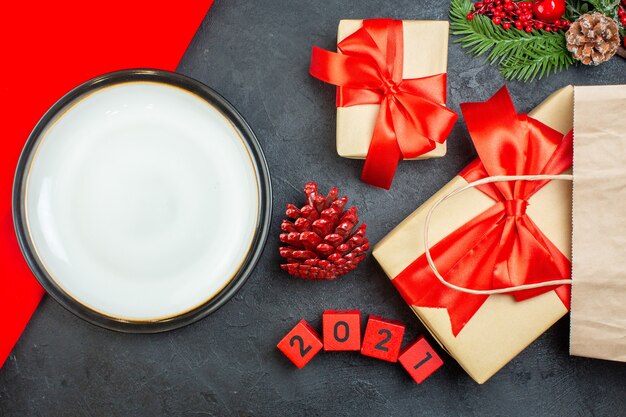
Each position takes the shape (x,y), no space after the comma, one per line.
(383,339)
(420,360)
(301,344)
(342,330)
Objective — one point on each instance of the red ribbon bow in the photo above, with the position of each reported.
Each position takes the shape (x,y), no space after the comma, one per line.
(412,117)
(501,247)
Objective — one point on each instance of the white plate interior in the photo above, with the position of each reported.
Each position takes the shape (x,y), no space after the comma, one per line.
(141,201)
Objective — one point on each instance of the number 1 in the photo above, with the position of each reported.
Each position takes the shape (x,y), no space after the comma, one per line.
(423,361)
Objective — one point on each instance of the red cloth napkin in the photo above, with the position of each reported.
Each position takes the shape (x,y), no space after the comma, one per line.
(47,49)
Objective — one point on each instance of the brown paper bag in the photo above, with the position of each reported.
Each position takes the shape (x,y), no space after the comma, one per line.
(598,327)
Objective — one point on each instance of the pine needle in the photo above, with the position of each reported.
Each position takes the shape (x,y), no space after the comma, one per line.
(607,7)
(521,56)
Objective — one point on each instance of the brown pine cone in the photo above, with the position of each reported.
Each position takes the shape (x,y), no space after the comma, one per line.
(322,241)
(593,38)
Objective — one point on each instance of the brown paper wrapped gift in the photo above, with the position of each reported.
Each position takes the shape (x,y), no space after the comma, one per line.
(429,41)
(502,327)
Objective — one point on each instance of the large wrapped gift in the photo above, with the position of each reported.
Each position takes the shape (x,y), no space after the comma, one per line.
(495,236)
(391,78)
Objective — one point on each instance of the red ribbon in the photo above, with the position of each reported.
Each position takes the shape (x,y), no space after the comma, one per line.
(412,117)
(501,247)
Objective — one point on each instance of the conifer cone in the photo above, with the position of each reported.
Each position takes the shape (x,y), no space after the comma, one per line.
(322,241)
(593,38)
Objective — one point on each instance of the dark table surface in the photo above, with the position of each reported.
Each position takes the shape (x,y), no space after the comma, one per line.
(256,53)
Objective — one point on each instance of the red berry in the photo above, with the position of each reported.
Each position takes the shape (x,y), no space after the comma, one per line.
(549,10)
(496,20)
(623,20)
(506,26)
(519,25)
(538,25)
(470,16)
(548,29)
(528,29)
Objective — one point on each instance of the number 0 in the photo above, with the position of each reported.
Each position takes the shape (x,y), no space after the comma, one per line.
(346,335)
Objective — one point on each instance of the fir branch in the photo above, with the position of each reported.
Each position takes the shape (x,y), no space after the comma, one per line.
(533,64)
(577,8)
(521,55)
(607,7)
(574,9)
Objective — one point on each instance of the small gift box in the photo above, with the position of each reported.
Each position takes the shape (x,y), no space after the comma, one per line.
(391,94)
(495,236)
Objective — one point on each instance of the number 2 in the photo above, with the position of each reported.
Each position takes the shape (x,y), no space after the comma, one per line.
(303,350)
(381,345)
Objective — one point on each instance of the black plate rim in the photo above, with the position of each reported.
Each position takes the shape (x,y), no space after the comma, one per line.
(263,220)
